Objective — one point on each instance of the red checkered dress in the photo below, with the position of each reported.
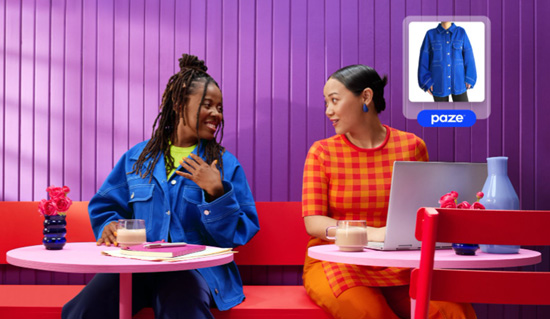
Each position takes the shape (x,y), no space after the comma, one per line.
(343,181)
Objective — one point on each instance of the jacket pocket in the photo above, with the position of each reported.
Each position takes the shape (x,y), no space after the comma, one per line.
(437,54)
(141,200)
(193,194)
(457,51)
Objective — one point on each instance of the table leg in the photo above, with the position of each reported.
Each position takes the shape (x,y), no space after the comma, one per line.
(125,302)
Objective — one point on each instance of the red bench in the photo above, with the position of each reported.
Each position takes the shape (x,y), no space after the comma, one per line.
(281,241)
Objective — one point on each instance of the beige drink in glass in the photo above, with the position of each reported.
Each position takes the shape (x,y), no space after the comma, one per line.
(351,235)
(130,232)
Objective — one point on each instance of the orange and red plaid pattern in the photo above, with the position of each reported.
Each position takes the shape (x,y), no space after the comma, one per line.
(343,181)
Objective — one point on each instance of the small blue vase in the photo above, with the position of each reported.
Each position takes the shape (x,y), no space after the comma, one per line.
(54,232)
(499,193)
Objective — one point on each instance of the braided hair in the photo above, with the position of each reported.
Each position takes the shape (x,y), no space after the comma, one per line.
(358,77)
(173,107)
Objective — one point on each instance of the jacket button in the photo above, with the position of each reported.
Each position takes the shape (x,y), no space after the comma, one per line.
(216,291)
(168,213)
(207,212)
(173,182)
(132,196)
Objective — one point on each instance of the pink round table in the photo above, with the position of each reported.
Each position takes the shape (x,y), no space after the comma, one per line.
(445,258)
(87,258)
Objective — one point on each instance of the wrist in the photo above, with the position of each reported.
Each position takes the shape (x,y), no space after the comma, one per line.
(214,192)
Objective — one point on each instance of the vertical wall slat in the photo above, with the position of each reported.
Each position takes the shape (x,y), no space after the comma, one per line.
(57,82)
(280,101)
(494,134)
(526,186)
(230,76)
(152,96)
(511,95)
(105,64)
(315,109)
(393,91)
(2,98)
(245,88)
(333,42)
(73,106)
(136,59)
(41,99)
(120,78)
(27,100)
(12,108)
(213,56)
(298,95)
(263,101)
(89,181)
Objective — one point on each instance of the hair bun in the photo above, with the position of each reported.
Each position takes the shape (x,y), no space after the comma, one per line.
(188,61)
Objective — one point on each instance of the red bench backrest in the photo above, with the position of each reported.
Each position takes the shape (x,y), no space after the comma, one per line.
(22,225)
(282,238)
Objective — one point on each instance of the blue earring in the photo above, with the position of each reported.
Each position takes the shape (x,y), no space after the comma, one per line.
(365,108)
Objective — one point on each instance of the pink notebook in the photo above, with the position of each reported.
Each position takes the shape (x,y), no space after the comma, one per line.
(176,251)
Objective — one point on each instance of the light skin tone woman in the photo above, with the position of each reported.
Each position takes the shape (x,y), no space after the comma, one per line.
(205,176)
(363,129)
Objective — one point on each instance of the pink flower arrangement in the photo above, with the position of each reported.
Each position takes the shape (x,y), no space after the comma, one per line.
(450,200)
(58,204)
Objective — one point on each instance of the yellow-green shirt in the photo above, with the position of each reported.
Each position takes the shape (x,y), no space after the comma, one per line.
(178,153)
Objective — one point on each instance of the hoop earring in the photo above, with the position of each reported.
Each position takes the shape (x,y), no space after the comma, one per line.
(365,108)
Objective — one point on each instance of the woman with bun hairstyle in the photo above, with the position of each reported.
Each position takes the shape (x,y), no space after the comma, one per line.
(187,188)
(348,177)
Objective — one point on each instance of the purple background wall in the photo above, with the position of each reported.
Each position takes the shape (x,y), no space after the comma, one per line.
(81,83)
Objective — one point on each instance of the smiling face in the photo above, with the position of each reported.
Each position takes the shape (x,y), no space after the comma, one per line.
(343,108)
(209,118)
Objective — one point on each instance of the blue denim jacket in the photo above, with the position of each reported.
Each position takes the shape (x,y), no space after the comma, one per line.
(177,208)
(446,61)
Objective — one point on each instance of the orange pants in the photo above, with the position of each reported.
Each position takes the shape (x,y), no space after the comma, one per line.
(374,302)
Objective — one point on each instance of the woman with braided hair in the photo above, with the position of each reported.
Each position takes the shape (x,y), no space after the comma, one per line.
(205,199)
(348,177)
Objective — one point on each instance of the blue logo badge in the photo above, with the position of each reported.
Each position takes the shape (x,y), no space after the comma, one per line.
(446,118)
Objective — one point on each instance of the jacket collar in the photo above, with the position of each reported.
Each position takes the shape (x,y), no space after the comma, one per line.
(159,173)
(451,29)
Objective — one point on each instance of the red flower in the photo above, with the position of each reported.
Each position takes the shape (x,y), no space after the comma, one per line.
(448,203)
(464,205)
(477,205)
(47,207)
(58,202)
(63,203)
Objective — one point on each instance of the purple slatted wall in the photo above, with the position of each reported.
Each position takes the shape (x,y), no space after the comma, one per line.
(81,83)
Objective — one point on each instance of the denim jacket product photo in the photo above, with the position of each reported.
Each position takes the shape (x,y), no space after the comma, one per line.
(176,209)
(446,61)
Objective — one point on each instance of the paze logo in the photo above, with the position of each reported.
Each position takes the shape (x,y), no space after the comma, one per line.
(446,118)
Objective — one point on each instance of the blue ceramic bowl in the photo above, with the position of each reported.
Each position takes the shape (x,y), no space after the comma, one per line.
(465,249)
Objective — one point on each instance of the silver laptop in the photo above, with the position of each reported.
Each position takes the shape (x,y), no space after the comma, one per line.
(421,184)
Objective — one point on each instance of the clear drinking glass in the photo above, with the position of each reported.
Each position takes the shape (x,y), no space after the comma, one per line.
(130,232)
(351,235)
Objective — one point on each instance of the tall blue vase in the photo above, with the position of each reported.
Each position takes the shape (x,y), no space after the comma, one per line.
(499,193)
